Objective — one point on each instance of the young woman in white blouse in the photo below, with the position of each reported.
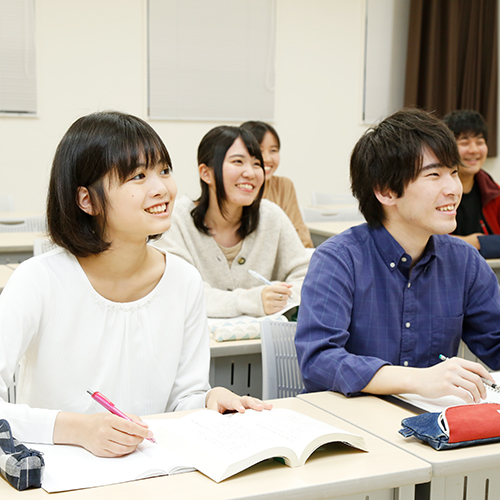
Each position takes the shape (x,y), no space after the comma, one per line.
(229,230)
(106,311)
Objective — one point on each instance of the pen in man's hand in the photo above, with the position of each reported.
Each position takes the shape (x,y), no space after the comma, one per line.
(106,403)
(255,274)
(485,381)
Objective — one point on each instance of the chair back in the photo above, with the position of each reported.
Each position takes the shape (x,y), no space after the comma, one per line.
(42,245)
(33,224)
(281,376)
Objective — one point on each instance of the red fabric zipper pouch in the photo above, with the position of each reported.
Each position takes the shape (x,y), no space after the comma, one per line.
(456,427)
(472,422)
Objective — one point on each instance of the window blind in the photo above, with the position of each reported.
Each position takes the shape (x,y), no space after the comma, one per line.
(211,60)
(17,57)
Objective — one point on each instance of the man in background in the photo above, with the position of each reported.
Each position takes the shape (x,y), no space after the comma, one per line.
(478,216)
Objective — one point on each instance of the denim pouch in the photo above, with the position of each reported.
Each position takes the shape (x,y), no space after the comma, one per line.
(20,466)
(456,427)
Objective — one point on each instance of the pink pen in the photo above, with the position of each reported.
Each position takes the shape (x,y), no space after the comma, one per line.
(106,403)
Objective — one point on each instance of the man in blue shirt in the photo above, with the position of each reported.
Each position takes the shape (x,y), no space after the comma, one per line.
(383,300)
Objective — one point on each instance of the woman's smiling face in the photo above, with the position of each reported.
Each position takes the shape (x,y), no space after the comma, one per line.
(271,153)
(243,175)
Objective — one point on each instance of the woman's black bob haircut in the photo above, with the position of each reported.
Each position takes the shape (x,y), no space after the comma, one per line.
(96,145)
(259,130)
(211,152)
(389,156)
(466,122)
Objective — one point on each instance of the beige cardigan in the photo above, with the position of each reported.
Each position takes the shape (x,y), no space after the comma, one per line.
(273,250)
(280,190)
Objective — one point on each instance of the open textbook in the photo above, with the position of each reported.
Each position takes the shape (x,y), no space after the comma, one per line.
(216,445)
(440,404)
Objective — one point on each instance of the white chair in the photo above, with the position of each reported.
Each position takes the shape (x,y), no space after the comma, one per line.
(6,203)
(34,224)
(318,198)
(281,376)
(42,245)
(11,391)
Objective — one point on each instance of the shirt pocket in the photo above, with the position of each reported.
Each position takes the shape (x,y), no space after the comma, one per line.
(446,335)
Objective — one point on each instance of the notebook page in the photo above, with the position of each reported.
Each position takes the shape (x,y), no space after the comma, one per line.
(72,467)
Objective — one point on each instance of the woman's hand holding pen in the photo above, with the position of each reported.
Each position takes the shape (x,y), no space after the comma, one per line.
(103,434)
(221,399)
(275,297)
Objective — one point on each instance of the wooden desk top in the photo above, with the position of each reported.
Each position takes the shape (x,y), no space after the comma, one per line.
(383,419)
(493,263)
(234,347)
(18,242)
(330,228)
(333,471)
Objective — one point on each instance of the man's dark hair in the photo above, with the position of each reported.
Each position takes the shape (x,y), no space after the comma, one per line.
(96,145)
(466,122)
(389,156)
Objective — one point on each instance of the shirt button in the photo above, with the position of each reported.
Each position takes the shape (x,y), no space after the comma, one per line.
(392,264)
(408,324)
(409,285)
(403,259)
(405,363)
(241,260)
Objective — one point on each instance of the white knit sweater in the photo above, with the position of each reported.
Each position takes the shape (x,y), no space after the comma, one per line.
(274,250)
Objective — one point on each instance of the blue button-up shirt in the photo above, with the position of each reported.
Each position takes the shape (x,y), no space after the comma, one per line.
(362,308)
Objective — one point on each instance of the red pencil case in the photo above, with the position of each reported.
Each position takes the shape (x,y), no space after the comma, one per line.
(456,427)
(472,422)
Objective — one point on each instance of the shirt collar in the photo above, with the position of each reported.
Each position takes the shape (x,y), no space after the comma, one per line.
(394,254)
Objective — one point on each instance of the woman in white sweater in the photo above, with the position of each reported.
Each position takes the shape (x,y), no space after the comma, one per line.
(229,231)
(106,311)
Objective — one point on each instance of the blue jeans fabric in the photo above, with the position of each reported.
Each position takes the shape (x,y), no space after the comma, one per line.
(426,428)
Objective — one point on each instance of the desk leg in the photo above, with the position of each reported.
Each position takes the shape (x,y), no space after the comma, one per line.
(438,488)
(405,493)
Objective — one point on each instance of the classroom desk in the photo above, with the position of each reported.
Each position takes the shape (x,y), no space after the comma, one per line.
(17,216)
(465,474)
(336,471)
(332,208)
(16,247)
(237,365)
(495,265)
(321,231)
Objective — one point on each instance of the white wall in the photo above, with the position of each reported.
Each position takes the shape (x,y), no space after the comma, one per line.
(92,56)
